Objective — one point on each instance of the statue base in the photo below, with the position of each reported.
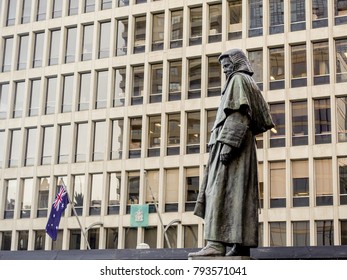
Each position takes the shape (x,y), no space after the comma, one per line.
(224,258)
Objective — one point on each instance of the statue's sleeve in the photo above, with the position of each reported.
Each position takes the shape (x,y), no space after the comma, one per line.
(234,129)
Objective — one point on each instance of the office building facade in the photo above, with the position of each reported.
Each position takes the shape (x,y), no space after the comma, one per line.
(117,98)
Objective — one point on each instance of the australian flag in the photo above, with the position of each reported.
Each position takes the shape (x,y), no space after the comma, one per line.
(60,203)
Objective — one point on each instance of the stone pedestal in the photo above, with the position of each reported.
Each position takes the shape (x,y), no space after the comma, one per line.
(224,258)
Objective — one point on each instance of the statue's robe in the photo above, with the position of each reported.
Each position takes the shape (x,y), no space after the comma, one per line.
(228,197)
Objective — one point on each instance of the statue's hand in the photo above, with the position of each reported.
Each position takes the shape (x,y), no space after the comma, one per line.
(226,154)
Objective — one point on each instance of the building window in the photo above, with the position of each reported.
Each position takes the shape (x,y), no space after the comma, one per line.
(261,183)
(341,118)
(215,23)
(255,18)
(158,32)
(99,143)
(255,57)
(15,150)
(172,237)
(111,238)
(6,240)
(114,180)
(235,19)
(75,239)
(117,139)
(78,193)
(340,12)
(104,39)
(135,137)
(277,184)
(106,4)
(175,80)
(325,233)
(341,60)
(214,77)
(73,7)
(96,192)
(70,50)
(297,15)
(192,187)
(81,142)
(30,149)
(57,8)
(154,136)
(26,11)
(93,238)
(150,236)
(194,78)
(23,238)
(195,30)
(176,28)
(299,123)
(101,89)
(89,6)
(122,3)
(211,117)
(140,34)
(190,236)
(278,139)
(152,189)
(41,10)
(54,48)
(58,243)
(342,164)
(278,233)
(2,147)
(299,68)
(300,183)
(193,133)
(323,182)
(7,55)
(51,95)
(87,42)
(343,232)
(171,190)
(173,134)
(42,199)
(322,117)
(119,87)
(276,16)
(34,98)
(301,233)
(10,202)
(18,100)
(4,100)
(11,12)
(138,82)
(277,69)
(27,197)
(133,189)
(38,49)
(156,83)
(130,239)
(319,13)
(23,52)
(84,92)
(40,237)
(122,37)
(67,94)
(47,145)
(64,143)
(321,63)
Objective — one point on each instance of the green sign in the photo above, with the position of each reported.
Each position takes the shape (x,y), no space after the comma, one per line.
(139,215)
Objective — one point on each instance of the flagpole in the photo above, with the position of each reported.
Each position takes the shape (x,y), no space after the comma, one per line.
(75,213)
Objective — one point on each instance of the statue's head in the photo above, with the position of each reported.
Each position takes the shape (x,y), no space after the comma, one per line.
(235,60)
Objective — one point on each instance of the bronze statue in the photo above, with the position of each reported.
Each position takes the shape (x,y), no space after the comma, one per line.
(228,197)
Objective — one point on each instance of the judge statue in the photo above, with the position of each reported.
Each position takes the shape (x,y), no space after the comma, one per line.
(228,197)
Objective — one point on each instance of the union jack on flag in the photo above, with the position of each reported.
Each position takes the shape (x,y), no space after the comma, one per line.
(58,207)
